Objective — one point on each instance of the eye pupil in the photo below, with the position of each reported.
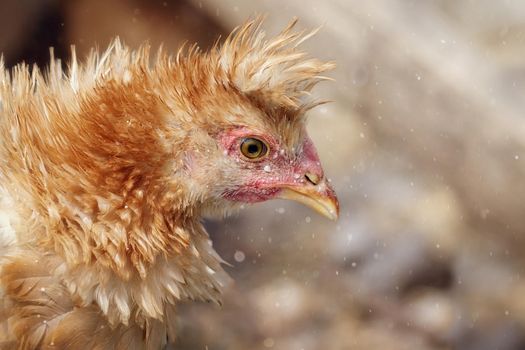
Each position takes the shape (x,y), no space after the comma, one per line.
(253,148)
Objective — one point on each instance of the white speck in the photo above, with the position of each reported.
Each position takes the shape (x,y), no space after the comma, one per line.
(281,152)
(516,157)
(239,256)
(268,342)
(443,41)
(296,176)
(418,77)
(307,219)
(280,210)
(267,168)
(361,135)
(507,312)
(42,289)
(354,264)
(438,246)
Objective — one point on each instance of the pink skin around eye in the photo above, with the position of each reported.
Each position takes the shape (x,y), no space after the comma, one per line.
(266,178)
(230,140)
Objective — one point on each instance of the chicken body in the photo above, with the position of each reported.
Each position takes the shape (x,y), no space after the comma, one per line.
(108,169)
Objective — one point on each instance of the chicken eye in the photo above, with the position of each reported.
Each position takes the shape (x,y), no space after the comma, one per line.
(253,148)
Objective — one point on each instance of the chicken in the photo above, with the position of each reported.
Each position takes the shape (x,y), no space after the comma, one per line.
(108,169)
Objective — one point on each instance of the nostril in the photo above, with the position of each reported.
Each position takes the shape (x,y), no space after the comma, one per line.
(312,178)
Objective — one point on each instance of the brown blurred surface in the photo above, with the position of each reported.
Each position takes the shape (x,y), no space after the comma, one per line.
(425,144)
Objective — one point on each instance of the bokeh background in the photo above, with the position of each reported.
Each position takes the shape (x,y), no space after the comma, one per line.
(425,145)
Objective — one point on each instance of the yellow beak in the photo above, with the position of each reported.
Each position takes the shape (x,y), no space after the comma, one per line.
(320,198)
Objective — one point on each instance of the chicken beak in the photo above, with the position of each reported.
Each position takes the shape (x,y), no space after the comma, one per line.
(320,198)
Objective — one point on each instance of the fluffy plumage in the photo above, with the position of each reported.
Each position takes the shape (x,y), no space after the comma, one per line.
(108,168)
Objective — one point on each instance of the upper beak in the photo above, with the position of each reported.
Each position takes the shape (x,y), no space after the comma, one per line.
(316,194)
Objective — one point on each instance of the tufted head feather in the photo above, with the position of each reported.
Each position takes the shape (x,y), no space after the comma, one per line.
(274,71)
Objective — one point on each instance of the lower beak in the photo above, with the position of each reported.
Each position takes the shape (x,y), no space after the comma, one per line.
(320,197)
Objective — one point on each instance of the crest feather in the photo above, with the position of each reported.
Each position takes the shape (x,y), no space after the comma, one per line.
(274,70)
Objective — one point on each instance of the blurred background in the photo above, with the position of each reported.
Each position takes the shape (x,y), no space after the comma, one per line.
(425,145)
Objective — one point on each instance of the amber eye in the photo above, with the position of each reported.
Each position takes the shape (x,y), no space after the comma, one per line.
(253,148)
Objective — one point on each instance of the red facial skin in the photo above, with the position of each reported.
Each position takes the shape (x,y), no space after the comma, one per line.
(267,176)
